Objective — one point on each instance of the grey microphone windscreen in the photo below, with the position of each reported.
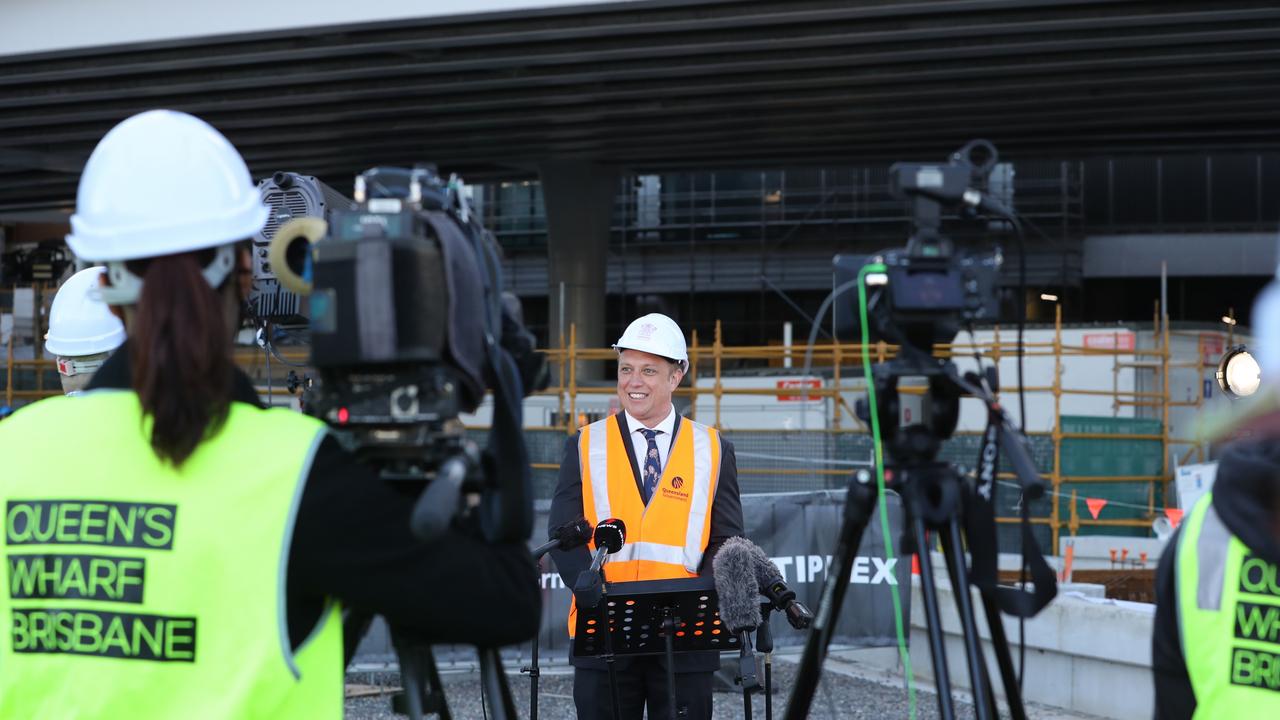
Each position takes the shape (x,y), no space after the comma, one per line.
(765,571)
(736,585)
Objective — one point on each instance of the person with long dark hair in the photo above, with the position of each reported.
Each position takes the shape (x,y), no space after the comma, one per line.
(174,548)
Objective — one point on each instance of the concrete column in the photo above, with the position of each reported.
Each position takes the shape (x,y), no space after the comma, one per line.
(579,199)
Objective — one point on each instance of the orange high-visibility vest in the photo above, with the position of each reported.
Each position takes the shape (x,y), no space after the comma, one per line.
(666,538)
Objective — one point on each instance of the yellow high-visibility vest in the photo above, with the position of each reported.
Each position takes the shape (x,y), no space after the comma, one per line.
(140,590)
(1229,619)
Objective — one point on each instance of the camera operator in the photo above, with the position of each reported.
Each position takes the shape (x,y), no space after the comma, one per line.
(679,512)
(192,554)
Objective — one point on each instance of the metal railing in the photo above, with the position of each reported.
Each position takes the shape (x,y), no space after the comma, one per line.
(731,207)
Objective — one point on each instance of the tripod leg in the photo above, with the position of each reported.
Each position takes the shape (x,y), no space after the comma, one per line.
(411,675)
(983,699)
(497,691)
(438,703)
(937,650)
(1012,693)
(858,507)
(423,694)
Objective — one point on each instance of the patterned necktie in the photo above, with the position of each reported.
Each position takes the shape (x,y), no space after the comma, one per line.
(652,464)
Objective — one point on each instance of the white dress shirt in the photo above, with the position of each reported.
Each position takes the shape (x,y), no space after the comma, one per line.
(640,444)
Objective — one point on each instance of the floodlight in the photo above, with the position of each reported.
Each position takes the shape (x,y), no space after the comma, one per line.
(1238,373)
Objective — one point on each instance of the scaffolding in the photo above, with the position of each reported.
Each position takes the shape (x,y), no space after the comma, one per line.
(706,403)
(37,364)
(1159,359)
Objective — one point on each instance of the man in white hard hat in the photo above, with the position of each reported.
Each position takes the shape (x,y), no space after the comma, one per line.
(674,483)
(82,330)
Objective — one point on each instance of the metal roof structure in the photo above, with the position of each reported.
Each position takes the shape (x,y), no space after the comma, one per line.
(664,85)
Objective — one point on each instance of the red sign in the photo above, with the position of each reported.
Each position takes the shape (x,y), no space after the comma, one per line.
(1119,340)
(789,384)
(1212,345)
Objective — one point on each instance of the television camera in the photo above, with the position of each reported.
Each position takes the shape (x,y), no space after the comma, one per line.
(916,297)
(409,328)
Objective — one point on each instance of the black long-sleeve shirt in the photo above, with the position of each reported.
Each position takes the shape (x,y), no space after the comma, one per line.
(351,541)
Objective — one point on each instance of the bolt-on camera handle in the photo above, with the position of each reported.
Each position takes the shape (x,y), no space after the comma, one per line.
(439,502)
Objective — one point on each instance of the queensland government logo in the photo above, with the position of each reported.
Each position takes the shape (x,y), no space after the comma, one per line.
(673,492)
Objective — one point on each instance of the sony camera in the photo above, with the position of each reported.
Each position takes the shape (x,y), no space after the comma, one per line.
(929,289)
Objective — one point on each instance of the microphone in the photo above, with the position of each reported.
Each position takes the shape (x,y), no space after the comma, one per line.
(739,601)
(565,537)
(771,585)
(609,537)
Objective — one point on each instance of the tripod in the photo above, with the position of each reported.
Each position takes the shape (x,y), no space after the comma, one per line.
(423,692)
(937,499)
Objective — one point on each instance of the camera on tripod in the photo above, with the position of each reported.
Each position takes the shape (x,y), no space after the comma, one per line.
(408,329)
(928,289)
(917,297)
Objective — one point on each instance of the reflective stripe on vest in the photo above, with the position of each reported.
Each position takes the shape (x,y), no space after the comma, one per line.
(667,538)
(140,590)
(1229,619)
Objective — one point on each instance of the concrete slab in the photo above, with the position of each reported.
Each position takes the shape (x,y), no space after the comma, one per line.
(1085,654)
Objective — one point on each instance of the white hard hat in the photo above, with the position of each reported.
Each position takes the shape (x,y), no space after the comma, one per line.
(79,322)
(657,334)
(162,183)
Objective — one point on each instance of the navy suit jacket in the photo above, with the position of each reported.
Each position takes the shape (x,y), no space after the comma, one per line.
(566,506)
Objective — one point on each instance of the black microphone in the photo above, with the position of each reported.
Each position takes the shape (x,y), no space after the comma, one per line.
(772,586)
(609,537)
(565,537)
(739,601)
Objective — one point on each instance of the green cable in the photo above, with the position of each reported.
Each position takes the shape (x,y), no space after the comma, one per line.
(879,460)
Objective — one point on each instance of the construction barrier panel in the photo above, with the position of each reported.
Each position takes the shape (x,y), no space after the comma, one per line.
(799,531)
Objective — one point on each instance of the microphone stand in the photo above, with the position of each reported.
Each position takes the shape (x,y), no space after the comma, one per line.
(593,586)
(747,672)
(533,671)
(608,650)
(764,644)
(669,630)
